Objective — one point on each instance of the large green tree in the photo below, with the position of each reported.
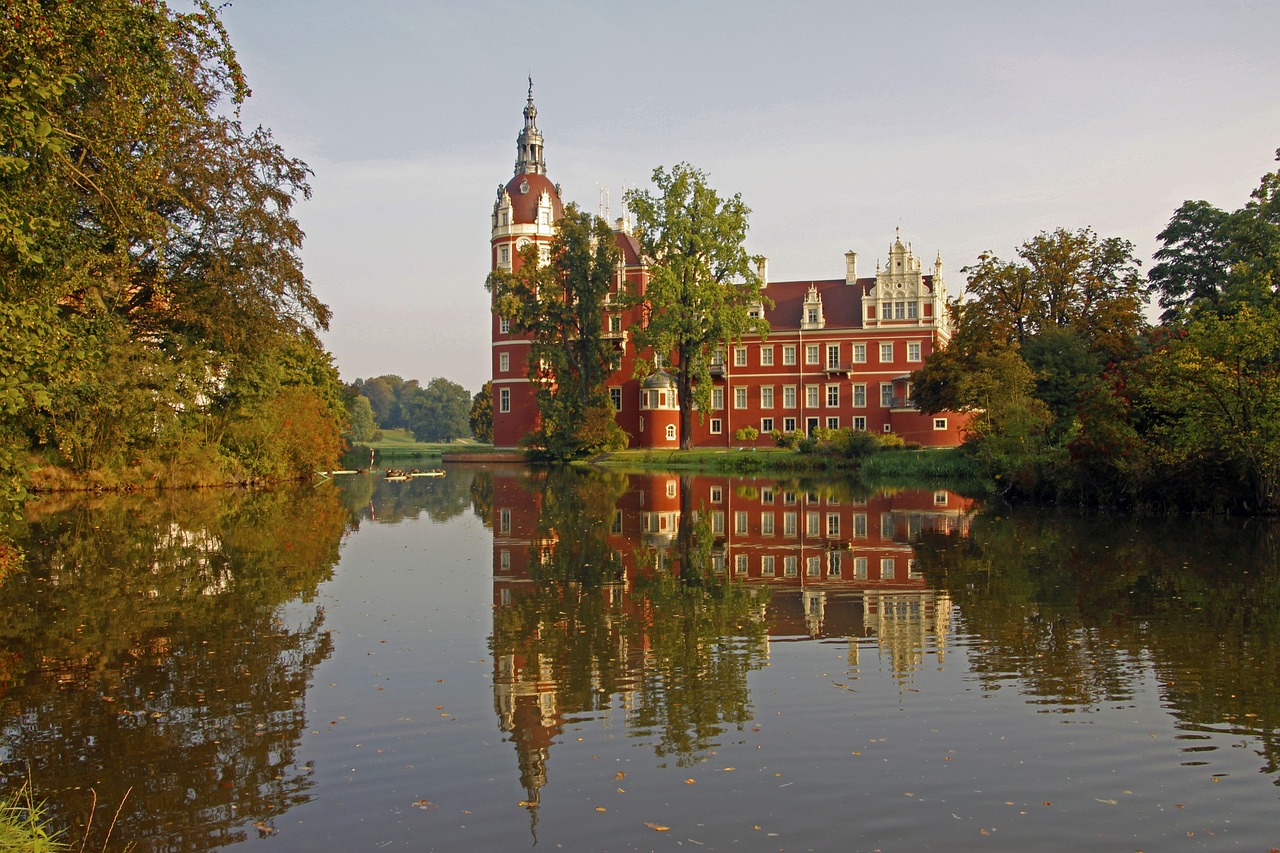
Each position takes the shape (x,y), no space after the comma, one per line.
(560,305)
(439,412)
(702,286)
(144,229)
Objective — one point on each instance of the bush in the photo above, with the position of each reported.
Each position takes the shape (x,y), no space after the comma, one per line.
(789,440)
(746,433)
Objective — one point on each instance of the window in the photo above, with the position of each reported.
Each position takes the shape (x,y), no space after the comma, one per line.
(789,498)
(740,522)
(940,498)
(811,354)
(671,488)
(715,426)
(788,424)
(860,353)
(504,255)
(899,310)
(671,432)
(615,323)
(860,395)
(886,526)
(766,496)
(860,423)
(913,351)
(886,394)
(789,524)
(939,423)
(766,524)
(833,564)
(766,425)
(886,311)
(811,522)
(860,525)
(504,399)
(740,397)
(833,356)
(813,567)
(790,566)
(833,423)
(913,311)
(739,356)
(615,397)
(504,362)
(789,354)
(717,359)
(859,567)
(887,569)
(886,353)
(913,570)
(766,356)
(717,522)
(504,521)
(504,559)
(766,565)
(789,397)
(811,315)
(811,396)
(766,397)
(717,398)
(833,396)
(504,325)
(616,527)
(833,524)
(740,564)
(717,494)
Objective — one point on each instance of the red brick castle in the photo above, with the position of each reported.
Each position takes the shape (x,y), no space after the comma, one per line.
(839,352)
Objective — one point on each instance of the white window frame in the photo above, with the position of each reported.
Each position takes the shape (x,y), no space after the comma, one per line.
(789,354)
(504,362)
(788,396)
(812,354)
(504,400)
(740,397)
(913,351)
(766,396)
(833,396)
(739,356)
(766,356)
(886,352)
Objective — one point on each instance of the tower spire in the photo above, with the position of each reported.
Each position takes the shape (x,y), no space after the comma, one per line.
(529,143)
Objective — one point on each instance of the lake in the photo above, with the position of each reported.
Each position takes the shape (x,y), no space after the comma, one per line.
(506,658)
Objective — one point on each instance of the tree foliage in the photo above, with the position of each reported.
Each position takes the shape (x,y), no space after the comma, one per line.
(481,417)
(560,305)
(702,286)
(146,237)
(439,412)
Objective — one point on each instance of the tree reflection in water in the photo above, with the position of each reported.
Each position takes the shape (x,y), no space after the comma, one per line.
(147,663)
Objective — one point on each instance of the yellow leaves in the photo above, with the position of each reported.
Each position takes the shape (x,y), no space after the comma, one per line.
(657,827)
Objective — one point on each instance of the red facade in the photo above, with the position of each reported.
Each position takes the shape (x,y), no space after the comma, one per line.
(838,355)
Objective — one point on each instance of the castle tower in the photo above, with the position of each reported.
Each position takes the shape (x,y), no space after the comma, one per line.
(525,213)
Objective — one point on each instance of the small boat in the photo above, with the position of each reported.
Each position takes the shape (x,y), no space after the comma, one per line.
(435,472)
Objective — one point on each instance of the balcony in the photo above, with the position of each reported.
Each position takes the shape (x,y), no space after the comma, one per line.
(839,368)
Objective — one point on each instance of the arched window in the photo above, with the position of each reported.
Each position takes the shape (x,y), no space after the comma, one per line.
(671,432)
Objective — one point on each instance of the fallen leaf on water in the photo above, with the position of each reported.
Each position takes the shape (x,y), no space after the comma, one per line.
(984,832)
(601,809)
(1107,802)
(730,769)
(657,827)
(691,781)
(619,775)
(622,790)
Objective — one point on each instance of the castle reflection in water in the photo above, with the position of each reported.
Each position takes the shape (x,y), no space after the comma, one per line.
(612,594)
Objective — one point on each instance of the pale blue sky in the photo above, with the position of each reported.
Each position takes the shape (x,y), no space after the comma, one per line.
(972,125)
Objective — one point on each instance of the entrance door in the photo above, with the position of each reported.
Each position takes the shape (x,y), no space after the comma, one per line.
(810,425)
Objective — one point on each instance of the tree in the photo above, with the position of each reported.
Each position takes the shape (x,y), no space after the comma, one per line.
(361,426)
(482,414)
(133,200)
(560,305)
(1064,280)
(439,412)
(381,397)
(701,288)
(1213,261)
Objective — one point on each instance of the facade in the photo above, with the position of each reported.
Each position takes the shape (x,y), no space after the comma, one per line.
(839,352)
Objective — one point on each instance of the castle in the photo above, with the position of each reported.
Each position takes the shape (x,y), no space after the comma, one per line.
(839,351)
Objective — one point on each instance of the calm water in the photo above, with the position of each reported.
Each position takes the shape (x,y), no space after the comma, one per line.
(501,659)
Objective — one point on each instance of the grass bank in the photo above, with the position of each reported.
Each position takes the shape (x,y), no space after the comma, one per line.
(396,443)
(905,467)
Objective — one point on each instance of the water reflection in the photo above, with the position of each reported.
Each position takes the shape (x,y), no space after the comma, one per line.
(650,598)
(145,665)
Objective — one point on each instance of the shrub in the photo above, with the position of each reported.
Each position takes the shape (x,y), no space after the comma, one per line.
(746,433)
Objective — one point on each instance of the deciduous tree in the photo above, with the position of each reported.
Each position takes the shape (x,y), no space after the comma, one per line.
(702,286)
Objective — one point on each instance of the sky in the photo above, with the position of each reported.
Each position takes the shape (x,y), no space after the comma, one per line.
(972,126)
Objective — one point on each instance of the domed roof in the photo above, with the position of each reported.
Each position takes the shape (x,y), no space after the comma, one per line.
(657,379)
(525,190)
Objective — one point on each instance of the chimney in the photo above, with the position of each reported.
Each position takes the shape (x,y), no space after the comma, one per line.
(851,267)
